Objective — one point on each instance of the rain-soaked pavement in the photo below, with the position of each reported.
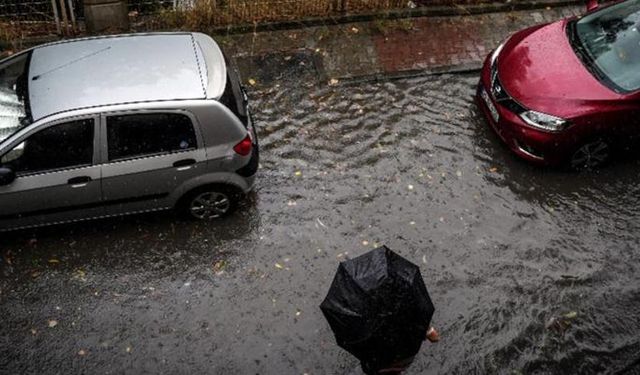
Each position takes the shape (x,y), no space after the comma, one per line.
(504,248)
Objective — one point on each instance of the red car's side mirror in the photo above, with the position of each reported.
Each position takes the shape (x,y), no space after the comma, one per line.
(592,5)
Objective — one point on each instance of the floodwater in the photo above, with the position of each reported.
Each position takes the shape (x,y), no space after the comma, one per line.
(505,249)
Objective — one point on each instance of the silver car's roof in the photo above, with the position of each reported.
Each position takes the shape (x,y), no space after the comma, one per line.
(121,69)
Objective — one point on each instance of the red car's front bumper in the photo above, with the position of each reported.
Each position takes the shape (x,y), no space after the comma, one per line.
(536,146)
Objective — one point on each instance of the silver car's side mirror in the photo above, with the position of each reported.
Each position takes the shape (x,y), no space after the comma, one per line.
(6,176)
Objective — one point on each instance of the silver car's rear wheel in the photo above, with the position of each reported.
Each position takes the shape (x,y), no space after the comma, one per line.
(209,203)
(591,155)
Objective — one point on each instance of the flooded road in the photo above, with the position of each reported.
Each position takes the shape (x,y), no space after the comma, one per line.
(505,249)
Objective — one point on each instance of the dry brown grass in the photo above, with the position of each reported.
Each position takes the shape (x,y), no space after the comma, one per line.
(11,36)
(206,14)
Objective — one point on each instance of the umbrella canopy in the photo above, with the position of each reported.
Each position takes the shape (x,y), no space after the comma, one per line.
(378,307)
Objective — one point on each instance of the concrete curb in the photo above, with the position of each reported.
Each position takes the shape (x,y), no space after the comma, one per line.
(426,11)
(385,77)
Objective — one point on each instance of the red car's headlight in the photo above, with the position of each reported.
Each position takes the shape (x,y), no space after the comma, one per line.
(544,121)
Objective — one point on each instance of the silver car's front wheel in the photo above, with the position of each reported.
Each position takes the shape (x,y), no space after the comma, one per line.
(209,203)
(591,155)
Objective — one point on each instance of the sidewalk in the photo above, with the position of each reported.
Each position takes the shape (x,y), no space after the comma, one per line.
(377,49)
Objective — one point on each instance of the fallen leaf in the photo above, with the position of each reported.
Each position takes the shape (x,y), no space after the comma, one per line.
(355,30)
(410,187)
(219,266)
(571,315)
(333,81)
(128,349)
(52,323)
(54,261)
(493,169)
(279,266)
(298,313)
(81,352)
(365,243)
(252,81)
(298,173)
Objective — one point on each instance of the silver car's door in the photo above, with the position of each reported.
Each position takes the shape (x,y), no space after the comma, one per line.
(57,179)
(147,156)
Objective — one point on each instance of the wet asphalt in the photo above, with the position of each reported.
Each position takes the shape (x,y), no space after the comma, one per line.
(532,271)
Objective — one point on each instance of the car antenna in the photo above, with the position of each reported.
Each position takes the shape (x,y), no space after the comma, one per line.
(69,63)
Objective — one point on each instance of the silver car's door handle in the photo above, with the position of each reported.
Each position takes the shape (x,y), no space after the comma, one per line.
(78,182)
(184,164)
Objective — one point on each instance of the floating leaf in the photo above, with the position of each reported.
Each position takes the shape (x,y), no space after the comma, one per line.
(219,266)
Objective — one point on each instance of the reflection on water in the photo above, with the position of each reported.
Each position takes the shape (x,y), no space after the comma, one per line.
(505,248)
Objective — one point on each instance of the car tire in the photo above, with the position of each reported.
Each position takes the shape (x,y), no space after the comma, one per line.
(209,202)
(591,155)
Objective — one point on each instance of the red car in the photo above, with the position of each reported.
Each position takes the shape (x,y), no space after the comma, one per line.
(568,93)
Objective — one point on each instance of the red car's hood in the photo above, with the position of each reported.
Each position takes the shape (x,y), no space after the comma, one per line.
(539,68)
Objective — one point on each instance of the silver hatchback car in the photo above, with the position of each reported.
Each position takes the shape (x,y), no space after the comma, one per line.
(116,125)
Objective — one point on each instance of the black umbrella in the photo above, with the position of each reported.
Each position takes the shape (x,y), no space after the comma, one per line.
(378,307)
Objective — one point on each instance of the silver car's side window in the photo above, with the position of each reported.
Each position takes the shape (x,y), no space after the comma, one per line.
(146,134)
(60,146)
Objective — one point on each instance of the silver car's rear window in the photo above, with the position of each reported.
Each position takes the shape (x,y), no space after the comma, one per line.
(14,95)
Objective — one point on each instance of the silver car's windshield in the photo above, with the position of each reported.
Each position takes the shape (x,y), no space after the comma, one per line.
(610,39)
(14,96)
